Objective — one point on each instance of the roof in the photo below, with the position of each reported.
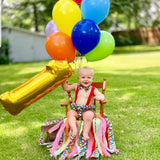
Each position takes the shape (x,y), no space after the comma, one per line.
(22,30)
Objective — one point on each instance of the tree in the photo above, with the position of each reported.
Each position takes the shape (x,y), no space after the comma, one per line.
(27,13)
(126,14)
(130,14)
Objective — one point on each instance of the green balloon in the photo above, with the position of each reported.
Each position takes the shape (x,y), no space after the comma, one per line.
(103,49)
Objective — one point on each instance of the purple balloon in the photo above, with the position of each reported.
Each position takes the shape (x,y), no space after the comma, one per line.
(51,28)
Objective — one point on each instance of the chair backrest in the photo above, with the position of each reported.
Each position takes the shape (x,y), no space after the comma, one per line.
(99,85)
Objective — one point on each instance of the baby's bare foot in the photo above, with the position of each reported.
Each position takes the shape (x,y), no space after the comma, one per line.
(74,132)
(85,136)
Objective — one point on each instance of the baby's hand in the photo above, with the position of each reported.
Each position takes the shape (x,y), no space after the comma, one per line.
(65,82)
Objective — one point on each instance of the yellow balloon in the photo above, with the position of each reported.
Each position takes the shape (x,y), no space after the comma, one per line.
(30,91)
(66,13)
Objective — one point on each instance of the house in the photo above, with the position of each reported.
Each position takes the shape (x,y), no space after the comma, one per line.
(24,45)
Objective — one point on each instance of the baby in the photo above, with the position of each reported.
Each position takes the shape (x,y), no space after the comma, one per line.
(83,105)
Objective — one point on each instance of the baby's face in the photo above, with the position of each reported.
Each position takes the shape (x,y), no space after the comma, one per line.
(85,77)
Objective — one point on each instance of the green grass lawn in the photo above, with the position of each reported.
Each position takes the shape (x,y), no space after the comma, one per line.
(137,49)
(133,96)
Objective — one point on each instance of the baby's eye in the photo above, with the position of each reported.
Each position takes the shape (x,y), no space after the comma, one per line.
(89,77)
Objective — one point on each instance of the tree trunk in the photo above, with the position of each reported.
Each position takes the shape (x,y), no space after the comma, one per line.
(35,17)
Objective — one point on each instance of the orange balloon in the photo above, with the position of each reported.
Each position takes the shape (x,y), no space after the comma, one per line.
(60,47)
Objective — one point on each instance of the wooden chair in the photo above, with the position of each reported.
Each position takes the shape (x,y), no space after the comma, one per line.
(51,136)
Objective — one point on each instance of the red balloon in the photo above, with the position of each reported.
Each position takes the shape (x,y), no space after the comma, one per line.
(60,47)
(78,1)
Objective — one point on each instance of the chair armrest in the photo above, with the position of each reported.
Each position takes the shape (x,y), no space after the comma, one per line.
(65,104)
(101,106)
(103,101)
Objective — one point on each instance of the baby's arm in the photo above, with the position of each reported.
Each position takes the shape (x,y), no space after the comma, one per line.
(98,95)
(69,87)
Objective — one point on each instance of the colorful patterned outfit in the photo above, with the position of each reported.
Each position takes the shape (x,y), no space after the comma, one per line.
(82,108)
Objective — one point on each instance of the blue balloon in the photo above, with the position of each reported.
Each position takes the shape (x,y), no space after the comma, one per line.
(95,10)
(85,35)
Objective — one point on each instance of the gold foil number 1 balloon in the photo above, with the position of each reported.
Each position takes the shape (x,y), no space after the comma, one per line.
(33,89)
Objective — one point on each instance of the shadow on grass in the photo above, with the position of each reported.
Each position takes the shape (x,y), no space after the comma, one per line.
(125,51)
(137,49)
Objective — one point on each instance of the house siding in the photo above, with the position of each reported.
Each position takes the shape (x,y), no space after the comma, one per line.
(25,46)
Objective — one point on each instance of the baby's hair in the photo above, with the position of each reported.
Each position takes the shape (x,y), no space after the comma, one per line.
(86,68)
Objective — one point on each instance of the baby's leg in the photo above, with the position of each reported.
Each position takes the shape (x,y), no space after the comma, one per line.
(87,118)
(72,116)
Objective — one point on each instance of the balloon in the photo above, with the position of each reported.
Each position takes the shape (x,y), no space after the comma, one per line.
(104,48)
(51,28)
(78,1)
(95,10)
(16,100)
(59,46)
(66,13)
(85,35)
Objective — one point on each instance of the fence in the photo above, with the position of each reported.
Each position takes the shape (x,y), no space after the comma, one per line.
(145,35)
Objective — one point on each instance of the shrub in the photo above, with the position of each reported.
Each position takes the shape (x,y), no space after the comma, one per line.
(4,59)
(4,52)
(125,40)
